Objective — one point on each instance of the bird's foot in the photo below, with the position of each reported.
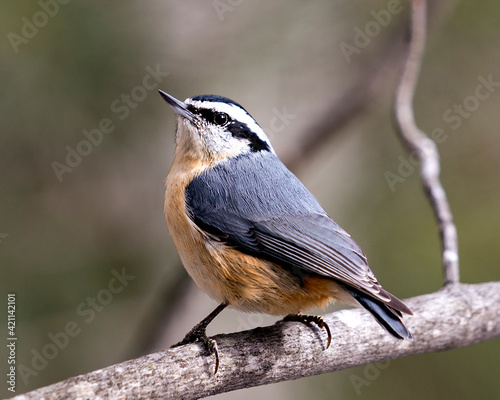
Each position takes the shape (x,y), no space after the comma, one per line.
(308,319)
(199,334)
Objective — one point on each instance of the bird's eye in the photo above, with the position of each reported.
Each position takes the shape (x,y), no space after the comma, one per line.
(221,118)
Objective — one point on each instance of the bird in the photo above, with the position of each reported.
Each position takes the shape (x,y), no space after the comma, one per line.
(251,235)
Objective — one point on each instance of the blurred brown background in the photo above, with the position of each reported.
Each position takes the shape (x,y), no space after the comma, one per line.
(71,223)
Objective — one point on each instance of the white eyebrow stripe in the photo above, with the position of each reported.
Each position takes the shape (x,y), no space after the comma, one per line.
(236,113)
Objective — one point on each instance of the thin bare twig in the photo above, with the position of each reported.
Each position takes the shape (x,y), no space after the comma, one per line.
(417,141)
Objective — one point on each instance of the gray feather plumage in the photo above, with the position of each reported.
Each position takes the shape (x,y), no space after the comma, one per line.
(254,203)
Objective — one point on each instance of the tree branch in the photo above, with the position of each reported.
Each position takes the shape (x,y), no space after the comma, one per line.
(426,150)
(456,316)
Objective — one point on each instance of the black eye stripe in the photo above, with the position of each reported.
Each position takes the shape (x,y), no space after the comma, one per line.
(208,115)
(237,129)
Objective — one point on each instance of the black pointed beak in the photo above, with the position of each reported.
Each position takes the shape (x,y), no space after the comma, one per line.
(178,106)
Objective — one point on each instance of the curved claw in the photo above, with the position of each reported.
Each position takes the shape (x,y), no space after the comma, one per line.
(307,319)
(199,333)
(211,346)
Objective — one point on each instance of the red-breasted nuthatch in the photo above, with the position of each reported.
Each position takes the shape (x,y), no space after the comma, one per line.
(250,234)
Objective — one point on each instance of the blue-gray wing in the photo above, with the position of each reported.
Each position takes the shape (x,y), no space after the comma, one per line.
(254,203)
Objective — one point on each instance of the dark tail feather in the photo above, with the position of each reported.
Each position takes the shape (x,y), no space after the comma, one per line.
(389,318)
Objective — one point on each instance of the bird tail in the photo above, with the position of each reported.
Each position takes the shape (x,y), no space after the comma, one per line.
(388,317)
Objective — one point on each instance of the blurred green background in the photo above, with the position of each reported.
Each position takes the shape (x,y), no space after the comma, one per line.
(68,68)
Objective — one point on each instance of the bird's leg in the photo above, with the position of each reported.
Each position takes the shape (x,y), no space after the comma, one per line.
(199,334)
(307,319)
